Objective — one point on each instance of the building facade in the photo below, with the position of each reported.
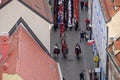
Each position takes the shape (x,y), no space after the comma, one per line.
(36,13)
(25,58)
(114,60)
(99,35)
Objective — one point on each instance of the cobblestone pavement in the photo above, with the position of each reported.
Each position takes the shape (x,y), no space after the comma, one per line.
(71,67)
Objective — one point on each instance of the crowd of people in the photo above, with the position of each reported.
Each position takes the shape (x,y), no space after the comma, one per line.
(66,12)
(66,15)
(84,4)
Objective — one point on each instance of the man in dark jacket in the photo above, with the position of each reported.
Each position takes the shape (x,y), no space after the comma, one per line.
(82,4)
(82,35)
(81,76)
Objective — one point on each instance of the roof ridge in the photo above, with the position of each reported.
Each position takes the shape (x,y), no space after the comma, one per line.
(2,5)
(30,31)
(41,15)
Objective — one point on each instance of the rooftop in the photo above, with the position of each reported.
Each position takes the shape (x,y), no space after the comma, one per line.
(27,59)
(114,50)
(40,7)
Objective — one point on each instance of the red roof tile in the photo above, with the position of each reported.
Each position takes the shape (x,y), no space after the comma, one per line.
(105,5)
(117,59)
(117,45)
(41,7)
(28,59)
(3,2)
(117,2)
(109,8)
(110,48)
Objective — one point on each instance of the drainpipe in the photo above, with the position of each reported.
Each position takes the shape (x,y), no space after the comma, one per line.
(107,60)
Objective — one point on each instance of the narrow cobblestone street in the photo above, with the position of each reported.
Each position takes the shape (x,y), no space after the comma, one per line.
(71,67)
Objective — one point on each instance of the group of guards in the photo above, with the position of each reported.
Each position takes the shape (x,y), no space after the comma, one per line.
(64,49)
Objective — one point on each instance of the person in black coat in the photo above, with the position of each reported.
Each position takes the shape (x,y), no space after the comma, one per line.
(82,36)
(63,78)
(81,76)
(82,4)
(76,26)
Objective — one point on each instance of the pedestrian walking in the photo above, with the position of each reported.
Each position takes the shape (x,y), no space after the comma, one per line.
(95,78)
(56,49)
(77,49)
(81,76)
(82,4)
(90,74)
(70,27)
(55,27)
(86,37)
(62,30)
(76,26)
(64,48)
(63,78)
(87,22)
(86,5)
(82,36)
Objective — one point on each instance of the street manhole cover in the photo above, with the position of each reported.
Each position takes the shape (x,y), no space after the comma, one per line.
(70,60)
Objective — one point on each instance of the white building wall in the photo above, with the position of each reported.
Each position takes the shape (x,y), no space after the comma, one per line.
(114,26)
(99,34)
(10,14)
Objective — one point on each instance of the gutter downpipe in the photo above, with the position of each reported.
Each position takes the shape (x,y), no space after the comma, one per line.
(107,59)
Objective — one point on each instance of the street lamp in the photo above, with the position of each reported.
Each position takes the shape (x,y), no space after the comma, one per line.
(0,1)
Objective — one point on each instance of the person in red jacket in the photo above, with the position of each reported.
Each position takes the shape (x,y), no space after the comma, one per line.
(86,5)
(62,30)
(87,22)
(64,48)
